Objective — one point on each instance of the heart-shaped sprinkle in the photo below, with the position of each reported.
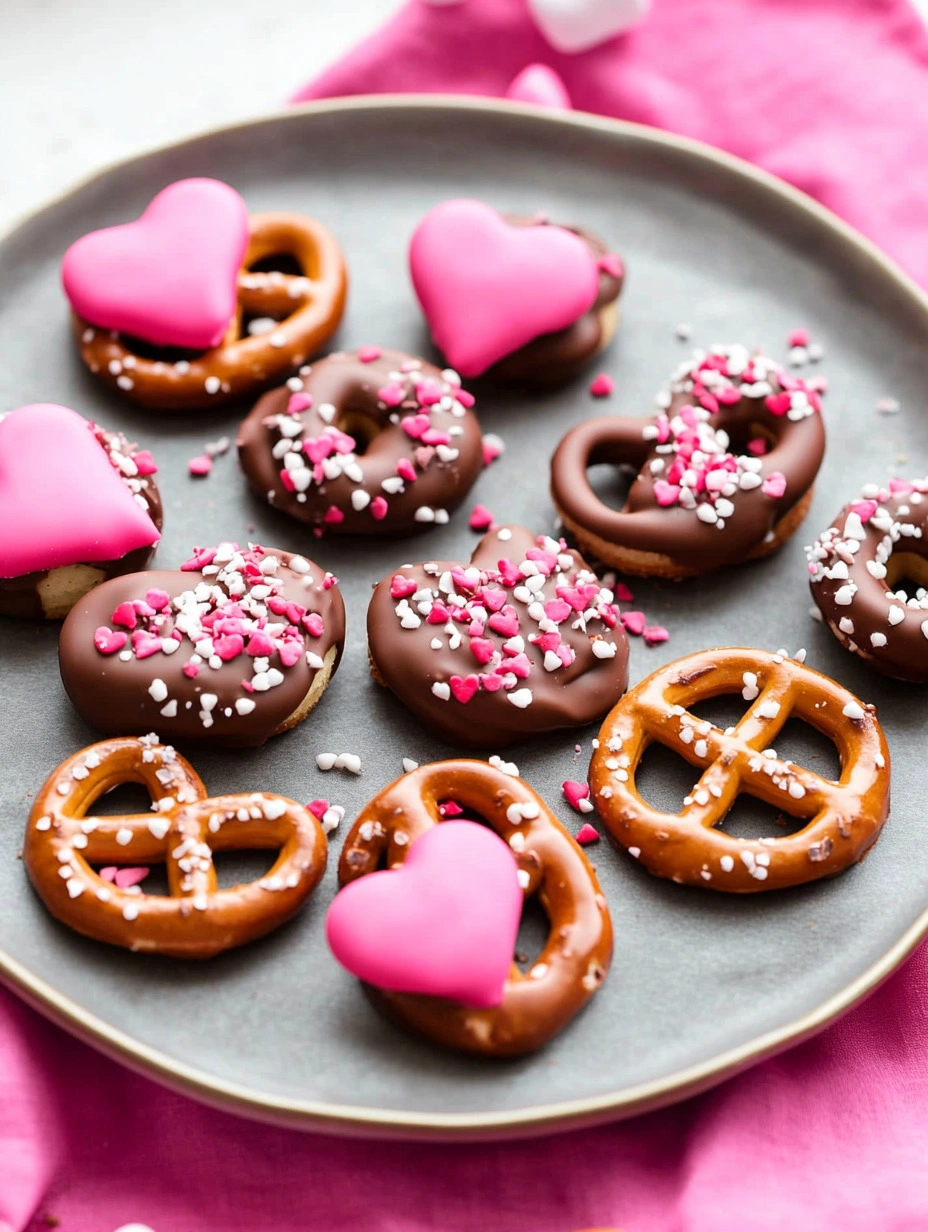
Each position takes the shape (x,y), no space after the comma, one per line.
(62,502)
(774,485)
(464,687)
(488,288)
(442,924)
(108,642)
(171,277)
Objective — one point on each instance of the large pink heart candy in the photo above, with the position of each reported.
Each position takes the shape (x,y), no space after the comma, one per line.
(487,288)
(61,500)
(444,923)
(170,278)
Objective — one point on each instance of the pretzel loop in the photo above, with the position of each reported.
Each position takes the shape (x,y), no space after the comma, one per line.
(307,308)
(536,1004)
(64,841)
(843,818)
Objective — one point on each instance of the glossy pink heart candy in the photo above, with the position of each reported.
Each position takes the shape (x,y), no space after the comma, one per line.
(443,924)
(487,288)
(171,277)
(62,502)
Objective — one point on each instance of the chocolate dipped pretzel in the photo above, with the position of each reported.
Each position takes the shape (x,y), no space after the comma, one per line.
(197,303)
(234,647)
(367,443)
(724,472)
(843,818)
(515,298)
(439,935)
(869,577)
(524,640)
(65,845)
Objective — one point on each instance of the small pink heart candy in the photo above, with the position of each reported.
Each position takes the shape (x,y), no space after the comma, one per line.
(487,288)
(108,642)
(464,687)
(171,277)
(774,485)
(506,623)
(482,648)
(401,587)
(443,924)
(480,518)
(415,425)
(587,834)
(633,622)
(575,792)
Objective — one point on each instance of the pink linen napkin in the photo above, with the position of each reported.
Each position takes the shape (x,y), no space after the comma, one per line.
(832,95)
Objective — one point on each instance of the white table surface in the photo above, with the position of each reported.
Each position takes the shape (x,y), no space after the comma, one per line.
(83,82)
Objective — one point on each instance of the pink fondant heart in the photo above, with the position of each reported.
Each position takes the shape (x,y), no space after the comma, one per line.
(487,288)
(443,924)
(62,502)
(171,277)
(464,687)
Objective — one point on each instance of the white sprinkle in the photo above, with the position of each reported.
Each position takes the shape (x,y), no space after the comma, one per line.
(244,705)
(603,649)
(634,852)
(360,499)
(896,615)
(44,823)
(768,710)
(520,698)
(274,809)
(727,864)
(158,827)
(750,690)
(523,878)
(212,384)
(409,765)
(277,339)
(424,514)
(75,887)
(877,640)
(123,836)
(844,596)
(325,761)
(441,690)
(130,912)
(169,711)
(348,761)
(853,711)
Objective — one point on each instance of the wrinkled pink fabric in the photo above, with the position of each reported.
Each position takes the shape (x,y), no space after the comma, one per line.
(833,96)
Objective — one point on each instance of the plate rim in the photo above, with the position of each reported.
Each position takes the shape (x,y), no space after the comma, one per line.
(356,1120)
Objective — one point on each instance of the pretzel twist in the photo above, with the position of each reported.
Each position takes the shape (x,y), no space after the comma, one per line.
(307,308)
(536,1004)
(843,818)
(64,840)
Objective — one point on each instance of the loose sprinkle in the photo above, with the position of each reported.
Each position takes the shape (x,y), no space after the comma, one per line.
(200,466)
(602,386)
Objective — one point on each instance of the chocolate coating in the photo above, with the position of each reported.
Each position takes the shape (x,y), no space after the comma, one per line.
(21,596)
(124,697)
(576,958)
(554,359)
(795,439)
(869,577)
(568,696)
(346,396)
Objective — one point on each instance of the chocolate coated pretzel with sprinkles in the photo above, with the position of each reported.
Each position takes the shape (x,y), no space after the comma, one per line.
(64,842)
(538,1004)
(302,312)
(843,818)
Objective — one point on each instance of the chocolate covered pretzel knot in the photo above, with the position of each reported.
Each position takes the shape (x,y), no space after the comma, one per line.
(869,576)
(298,313)
(64,841)
(842,818)
(539,1003)
(724,472)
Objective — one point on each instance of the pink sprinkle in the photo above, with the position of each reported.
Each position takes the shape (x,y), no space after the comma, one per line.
(899,485)
(655,634)
(330,579)
(464,687)
(313,624)
(431,436)
(299,402)
(429,392)
(229,646)
(392,394)
(367,354)
(798,338)
(466,400)
(406,470)
(291,653)
(450,808)
(286,480)
(633,622)
(505,622)
(319,808)
(318,448)
(191,670)
(757,446)
(557,610)
(144,462)
(602,386)
(491,451)
(108,642)
(575,792)
(248,686)
(492,683)
(125,615)
(200,466)
(611,263)
(623,594)
(145,644)
(778,404)
(157,599)
(482,648)
(480,518)
(666,493)
(123,877)
(401,587)
(774,485)
(333,515)
(378,508)
(587,834)
(415,426)
(865,509)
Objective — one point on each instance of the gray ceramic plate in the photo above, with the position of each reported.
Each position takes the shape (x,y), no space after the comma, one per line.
(702,984)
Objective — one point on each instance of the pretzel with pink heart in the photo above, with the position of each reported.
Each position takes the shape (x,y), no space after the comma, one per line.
(188,307)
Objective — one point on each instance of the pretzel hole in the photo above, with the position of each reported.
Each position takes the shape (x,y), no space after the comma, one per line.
(278,263)
(611,483)
(908,572)
(148,350)
(803,745)
(156,883)
(663,779)
(125,799)
(751,818)
(726,710)
(234,868)
(534,930)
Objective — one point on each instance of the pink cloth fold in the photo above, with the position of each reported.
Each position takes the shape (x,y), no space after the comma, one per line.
(832,95)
